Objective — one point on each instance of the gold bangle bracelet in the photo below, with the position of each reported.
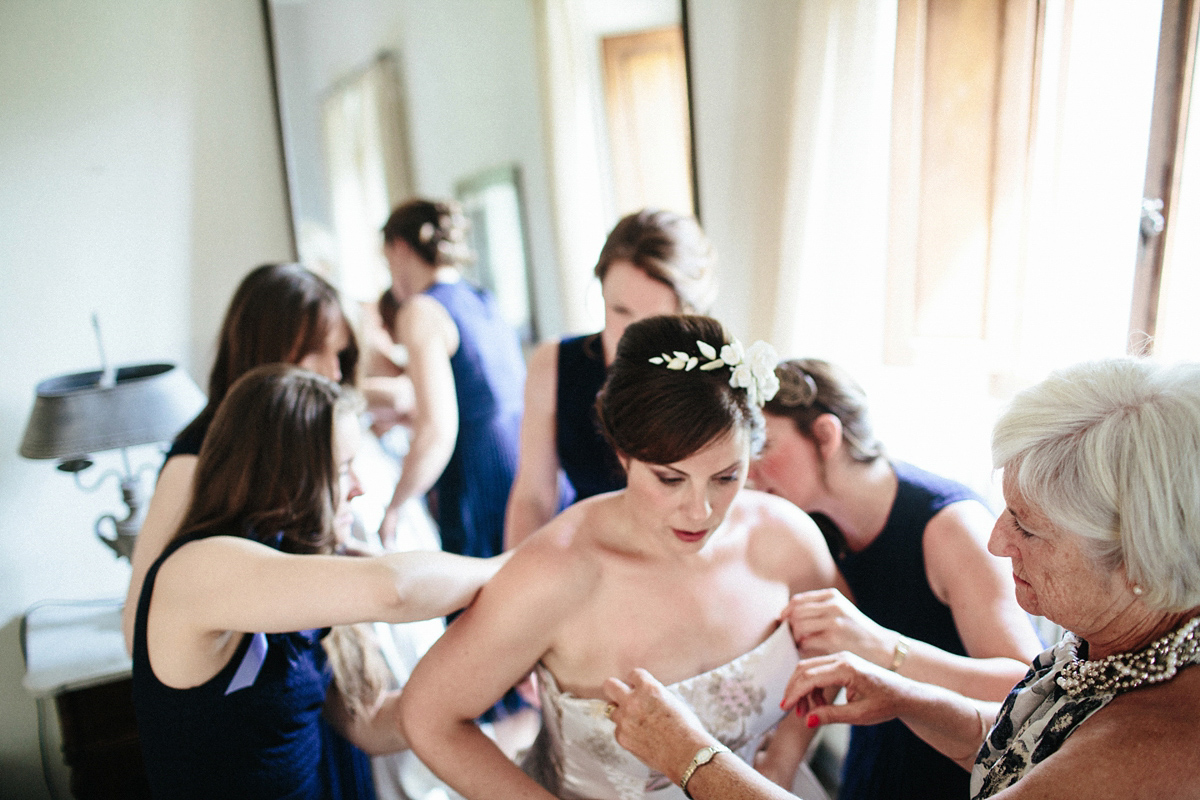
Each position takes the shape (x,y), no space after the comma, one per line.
(899,654)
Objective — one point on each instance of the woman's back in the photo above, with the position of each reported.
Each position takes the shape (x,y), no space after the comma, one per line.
(254,730)
(489,375)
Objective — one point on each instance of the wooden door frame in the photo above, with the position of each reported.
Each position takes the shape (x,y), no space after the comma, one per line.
(1164,161)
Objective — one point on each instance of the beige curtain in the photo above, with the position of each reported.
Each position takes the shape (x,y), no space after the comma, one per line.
(832,240)
(573,142)
(366,151)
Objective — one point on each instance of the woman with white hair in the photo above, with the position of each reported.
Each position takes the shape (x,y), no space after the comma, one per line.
(1102,483)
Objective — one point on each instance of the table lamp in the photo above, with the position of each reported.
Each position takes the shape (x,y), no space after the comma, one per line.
(82,413)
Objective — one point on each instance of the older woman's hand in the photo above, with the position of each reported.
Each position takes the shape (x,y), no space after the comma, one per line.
(873,694)
(824,621)
(653,724)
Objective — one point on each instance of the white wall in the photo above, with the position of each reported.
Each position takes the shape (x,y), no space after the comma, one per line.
(140,178)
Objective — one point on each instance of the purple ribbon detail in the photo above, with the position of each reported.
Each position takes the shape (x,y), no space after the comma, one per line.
(252,662)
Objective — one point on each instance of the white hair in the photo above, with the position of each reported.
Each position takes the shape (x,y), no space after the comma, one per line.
(1110,451)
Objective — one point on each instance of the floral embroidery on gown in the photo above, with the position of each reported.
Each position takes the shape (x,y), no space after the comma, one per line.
(576,756)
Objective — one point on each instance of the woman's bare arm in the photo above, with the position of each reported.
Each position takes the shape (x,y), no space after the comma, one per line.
(375,733)
(950,723)
(223,585)
(488,649)
(789,542)
(428,332)
(168,505)
(534,497)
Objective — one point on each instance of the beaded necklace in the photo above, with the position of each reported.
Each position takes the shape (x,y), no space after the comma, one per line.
(1120,672)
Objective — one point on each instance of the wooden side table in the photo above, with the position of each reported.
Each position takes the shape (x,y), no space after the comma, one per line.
(75,660)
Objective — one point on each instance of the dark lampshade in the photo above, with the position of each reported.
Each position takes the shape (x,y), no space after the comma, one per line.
(76,414)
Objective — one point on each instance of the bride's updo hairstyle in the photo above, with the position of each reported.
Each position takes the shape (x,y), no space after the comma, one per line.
(661,415)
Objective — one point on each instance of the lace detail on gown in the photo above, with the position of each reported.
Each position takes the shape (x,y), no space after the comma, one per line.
(576,756)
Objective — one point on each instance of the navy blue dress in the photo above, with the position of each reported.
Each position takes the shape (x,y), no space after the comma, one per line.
(253,731)
(585,455)
(889,761)
(469,499)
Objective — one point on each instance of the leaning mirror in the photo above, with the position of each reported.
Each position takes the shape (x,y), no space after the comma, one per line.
(551,118)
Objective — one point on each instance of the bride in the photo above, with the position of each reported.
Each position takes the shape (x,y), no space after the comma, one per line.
(682,573)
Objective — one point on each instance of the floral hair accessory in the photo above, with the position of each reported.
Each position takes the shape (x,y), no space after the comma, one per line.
(752,368)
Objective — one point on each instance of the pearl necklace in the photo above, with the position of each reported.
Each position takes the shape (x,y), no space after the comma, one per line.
(1120,672)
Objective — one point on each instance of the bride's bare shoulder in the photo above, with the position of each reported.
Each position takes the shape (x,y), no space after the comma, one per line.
(767,515)
(565,548)
(782,539)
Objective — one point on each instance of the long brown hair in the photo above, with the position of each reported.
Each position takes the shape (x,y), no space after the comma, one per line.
(660,416)
(279,313)
(267,472)
(266,467)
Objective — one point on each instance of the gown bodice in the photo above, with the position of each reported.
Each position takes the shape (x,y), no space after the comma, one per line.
(576,756)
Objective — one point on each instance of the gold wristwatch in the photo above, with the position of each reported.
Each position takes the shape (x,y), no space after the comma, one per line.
(702,757)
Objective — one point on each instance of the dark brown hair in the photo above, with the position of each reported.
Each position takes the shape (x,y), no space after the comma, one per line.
(279,313)
(435,230)
(810,387)
(659,415)
(671,249)
(267,464)
(388,307)
(266,471)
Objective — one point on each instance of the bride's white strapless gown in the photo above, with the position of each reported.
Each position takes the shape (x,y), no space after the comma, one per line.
(576,756)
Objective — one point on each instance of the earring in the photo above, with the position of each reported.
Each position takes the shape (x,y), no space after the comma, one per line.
(1137,590)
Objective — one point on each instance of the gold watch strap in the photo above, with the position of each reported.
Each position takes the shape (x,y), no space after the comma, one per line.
(702,757)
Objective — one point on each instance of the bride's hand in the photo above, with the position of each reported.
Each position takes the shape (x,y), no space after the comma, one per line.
(824,621)
(654,724)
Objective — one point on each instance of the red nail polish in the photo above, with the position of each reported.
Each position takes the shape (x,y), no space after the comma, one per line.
(812,721)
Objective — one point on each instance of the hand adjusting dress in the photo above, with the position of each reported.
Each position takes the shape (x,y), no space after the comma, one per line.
(576,756)
(888,761)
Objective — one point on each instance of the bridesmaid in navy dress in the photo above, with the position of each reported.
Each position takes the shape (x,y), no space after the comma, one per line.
(233,672)
(653,262)
(467,370)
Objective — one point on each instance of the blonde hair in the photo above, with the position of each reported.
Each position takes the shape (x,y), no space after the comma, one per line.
(359,671)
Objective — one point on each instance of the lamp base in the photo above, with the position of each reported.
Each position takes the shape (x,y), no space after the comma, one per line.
(125,531)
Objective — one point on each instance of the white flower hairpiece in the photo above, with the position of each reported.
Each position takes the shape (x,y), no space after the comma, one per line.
(752,368)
